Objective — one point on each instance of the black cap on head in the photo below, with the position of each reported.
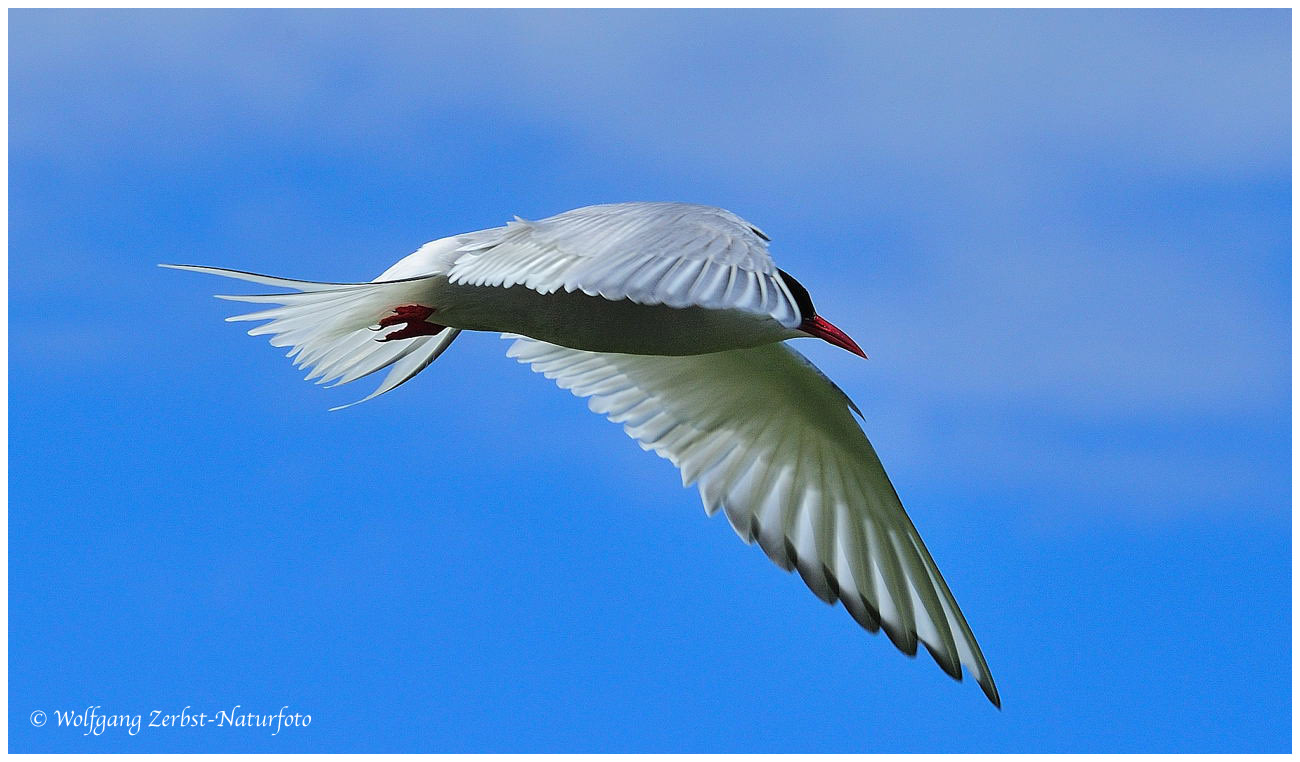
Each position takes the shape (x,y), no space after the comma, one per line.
(801,298)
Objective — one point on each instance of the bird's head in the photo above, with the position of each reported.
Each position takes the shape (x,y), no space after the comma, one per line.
(815,325)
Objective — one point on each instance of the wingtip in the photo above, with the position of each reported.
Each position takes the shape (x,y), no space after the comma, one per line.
(953,669)
(991,691)
(949,663)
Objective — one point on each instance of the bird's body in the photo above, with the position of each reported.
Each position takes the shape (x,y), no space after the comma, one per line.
(514,279)
(596,324)
(672,319)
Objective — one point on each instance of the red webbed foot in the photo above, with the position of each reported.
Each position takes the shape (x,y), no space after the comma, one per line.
(415,316)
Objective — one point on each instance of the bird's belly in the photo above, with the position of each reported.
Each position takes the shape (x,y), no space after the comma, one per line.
(596,324)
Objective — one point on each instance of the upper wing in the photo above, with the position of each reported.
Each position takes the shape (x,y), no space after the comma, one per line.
(771,442)
(650,253)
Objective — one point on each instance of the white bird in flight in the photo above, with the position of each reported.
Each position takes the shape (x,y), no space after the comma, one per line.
(672,318)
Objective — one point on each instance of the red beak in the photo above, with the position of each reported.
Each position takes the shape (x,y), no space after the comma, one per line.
(822,329)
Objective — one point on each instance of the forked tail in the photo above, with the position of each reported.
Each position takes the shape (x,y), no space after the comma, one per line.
(330,327)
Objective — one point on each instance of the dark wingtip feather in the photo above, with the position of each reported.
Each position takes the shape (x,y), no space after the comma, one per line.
(991,691)
(950,666)
(818,578)
(776,547)
(903,640)
(862,612)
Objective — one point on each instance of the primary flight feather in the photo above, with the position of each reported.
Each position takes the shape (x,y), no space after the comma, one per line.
(672,319)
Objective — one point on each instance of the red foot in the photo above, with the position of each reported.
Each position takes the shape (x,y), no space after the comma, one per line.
(414,316)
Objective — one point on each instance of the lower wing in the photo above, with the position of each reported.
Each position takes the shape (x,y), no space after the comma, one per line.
(771,442)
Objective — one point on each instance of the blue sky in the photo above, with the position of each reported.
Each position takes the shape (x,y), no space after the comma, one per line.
(1062,236)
